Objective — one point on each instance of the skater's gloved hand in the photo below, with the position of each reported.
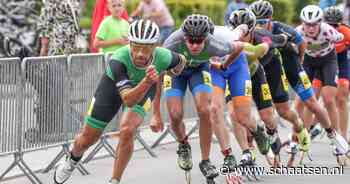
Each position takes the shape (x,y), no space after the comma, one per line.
(157,124)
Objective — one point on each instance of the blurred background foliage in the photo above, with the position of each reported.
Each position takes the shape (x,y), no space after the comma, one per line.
(284,10)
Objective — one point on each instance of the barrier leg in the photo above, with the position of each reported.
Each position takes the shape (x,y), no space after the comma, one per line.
(26,174)
(103,143)
(109,148)
(93,153)
(52,164)
(18,161)
(161,138)
(194,128)
(30,173)
(14,163)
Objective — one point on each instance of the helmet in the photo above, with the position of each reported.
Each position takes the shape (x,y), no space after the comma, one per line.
(144,32)
(261,9)
(333,15)
(311,14)
(196,25)
(243,16)
(211,26)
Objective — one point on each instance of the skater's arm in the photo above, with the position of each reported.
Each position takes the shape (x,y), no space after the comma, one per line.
(156,101)
(238,47)
(130,94)
(302,48)
(156,123)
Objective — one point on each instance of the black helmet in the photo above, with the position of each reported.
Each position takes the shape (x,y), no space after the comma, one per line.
(196,25)
(333,15)
(243,16)
(262,9)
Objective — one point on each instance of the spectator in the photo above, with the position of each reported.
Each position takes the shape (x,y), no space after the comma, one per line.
(326,3)
(113,31)
(60,27)
(234,5)
(157,11)
(100,12)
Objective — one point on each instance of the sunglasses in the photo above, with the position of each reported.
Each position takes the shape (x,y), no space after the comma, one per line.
(262,21)
(195,40)
(311,24)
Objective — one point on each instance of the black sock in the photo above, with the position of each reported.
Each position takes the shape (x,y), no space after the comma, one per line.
(312,126)
(271,131)
(74,158)
(329,130)
(184,141)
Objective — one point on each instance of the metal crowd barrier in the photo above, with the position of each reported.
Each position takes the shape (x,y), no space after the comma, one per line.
(42,105)
(11,116)
(84,72)
(9,88)
(110,131)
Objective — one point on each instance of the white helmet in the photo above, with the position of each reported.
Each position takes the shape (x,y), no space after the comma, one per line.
(144,32)
(311,14)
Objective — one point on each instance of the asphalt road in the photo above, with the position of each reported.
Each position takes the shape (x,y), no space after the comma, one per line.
(144,169)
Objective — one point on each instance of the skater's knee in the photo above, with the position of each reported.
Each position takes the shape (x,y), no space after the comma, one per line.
(242,117)
(233,117)
(312,105)
(267,117)
(329,101)
(284,112)
(342,100)
(216,108)
(342,103)
(84,140)
(203,110)
(176,116)
(127,131)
